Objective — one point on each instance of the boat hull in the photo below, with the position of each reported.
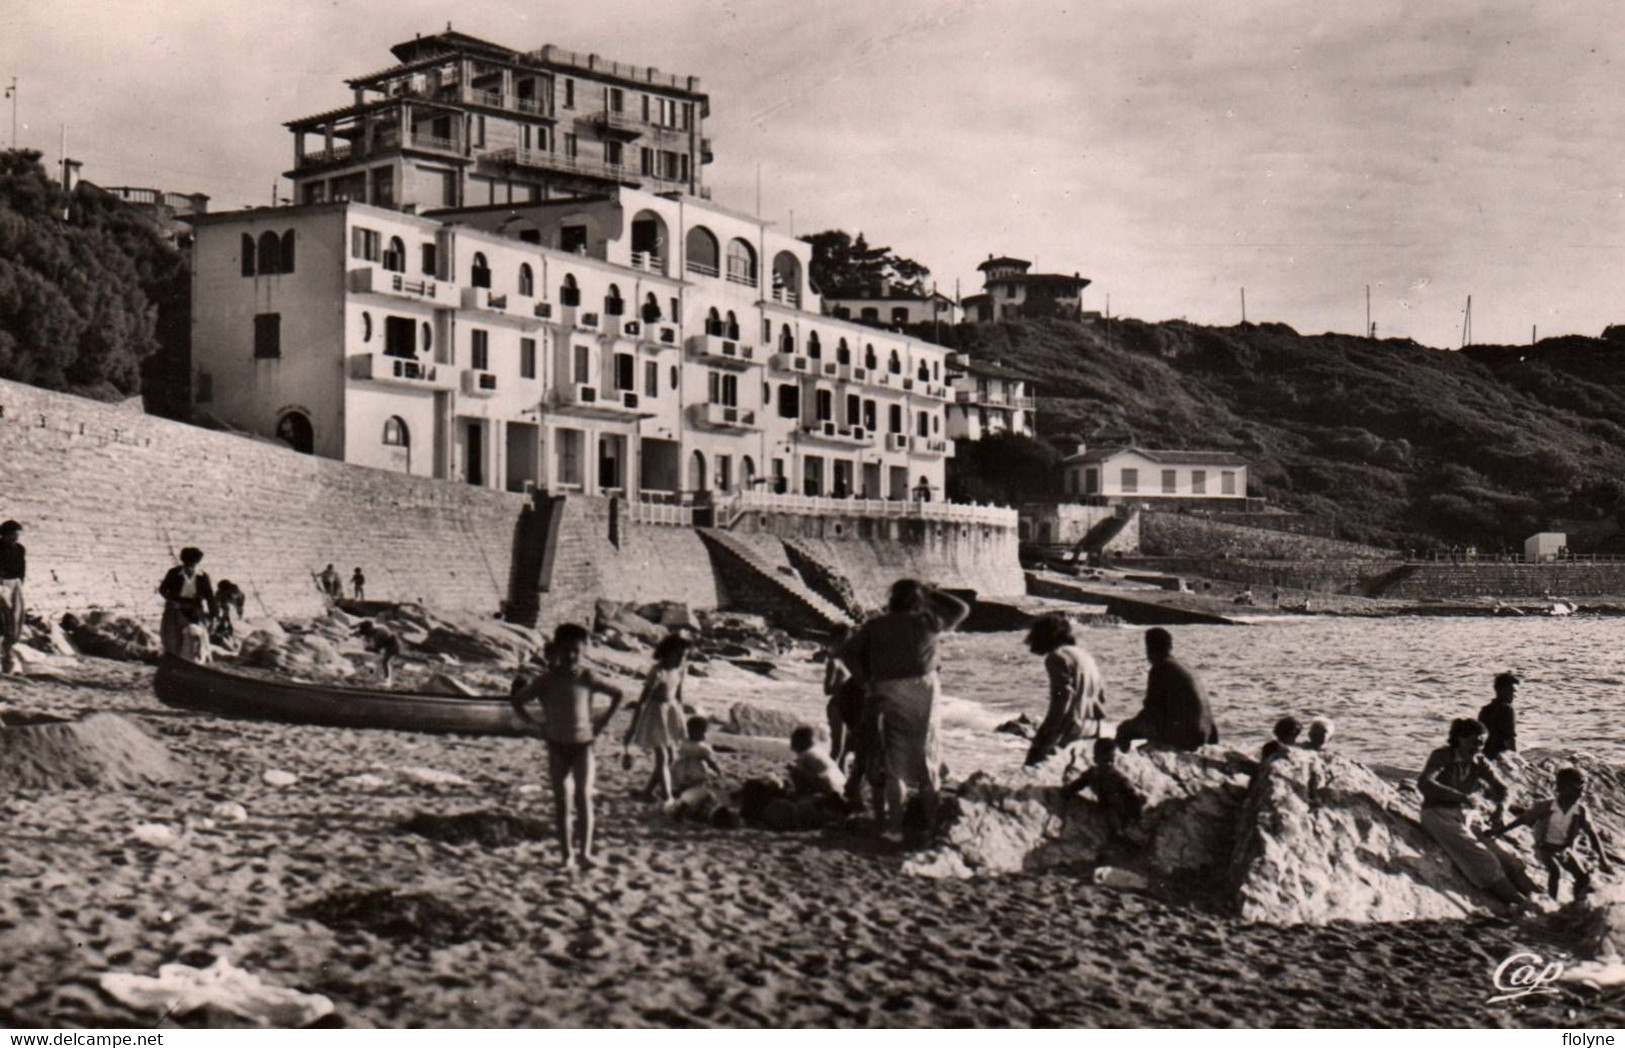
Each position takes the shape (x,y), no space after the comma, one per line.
(190,686)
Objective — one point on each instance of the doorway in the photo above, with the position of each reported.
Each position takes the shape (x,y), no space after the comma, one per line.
(474,454)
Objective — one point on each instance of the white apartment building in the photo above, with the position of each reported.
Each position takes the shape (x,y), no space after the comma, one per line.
(632,343)
(988,399)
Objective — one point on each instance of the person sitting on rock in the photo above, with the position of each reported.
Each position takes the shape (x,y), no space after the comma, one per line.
(1118,797)
(1286,738)
(1076,690)
(1321,730)
(1176,714)
(1452,775)
(382,641)
(1559,823)
(1500,718)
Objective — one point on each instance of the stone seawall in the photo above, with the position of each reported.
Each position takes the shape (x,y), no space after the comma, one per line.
(1191,536)
(1350,577)
(108,496)
(1457,581)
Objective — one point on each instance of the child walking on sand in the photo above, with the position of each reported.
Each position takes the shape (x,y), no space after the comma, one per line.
(658,725)
(1559,822)
(564,691)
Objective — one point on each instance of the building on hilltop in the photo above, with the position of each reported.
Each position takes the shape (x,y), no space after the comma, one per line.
(1116,475)
(892,308)
(987,399)
(1009,292)
(461,122)
(633,343)
(172,213)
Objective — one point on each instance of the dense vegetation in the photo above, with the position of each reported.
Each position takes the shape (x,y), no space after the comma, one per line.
(844,266)
(1397,443)
(80,299)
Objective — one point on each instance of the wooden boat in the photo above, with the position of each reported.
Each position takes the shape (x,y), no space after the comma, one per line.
(191,686)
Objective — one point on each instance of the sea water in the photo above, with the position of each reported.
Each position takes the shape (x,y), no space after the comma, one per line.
(1392,685)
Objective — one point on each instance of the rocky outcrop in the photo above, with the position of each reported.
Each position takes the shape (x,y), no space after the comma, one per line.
(1324,839)
(1021,821)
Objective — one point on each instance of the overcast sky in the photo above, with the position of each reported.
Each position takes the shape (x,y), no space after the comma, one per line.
(1172,152)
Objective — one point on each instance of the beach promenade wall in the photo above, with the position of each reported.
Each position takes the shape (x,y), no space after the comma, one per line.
(108,496)
(1459,581)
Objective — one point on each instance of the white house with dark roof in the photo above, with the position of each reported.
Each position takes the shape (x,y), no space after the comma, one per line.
(1134,474)
(989,398)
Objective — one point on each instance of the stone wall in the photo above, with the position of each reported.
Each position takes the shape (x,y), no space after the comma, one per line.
(1352,577)
(108,496)
(873,553)
(1460,581)
(1186,535)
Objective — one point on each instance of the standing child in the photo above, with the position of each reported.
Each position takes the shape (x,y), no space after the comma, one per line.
(844,693)
(358,583)
(1559,821)
(658,724)
(564,691)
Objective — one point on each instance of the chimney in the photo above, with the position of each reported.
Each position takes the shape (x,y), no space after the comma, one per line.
(1082,447)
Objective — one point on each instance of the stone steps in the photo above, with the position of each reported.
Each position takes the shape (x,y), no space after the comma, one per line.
(754,581)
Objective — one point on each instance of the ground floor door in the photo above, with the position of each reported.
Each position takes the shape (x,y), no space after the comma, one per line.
(474,454)
(871,481)
(524,455)
(897,484)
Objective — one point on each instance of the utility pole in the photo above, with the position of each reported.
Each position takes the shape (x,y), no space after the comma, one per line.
(1467,324)
(12,93)
(1244,305)
(65,197)
(1368,311)
(1533,328)
(1108,320)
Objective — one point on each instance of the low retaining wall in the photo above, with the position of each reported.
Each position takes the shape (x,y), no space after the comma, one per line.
(1352,577)
(1455,581)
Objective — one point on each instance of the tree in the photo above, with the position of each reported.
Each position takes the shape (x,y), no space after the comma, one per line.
(1005,468)
(79,299)
(844,267)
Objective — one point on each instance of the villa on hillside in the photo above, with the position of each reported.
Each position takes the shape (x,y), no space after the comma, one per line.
(1117,475)
(1010,292)
(892,308)
(987,399)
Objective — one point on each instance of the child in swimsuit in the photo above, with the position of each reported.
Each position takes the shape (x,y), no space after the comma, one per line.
(1559,823)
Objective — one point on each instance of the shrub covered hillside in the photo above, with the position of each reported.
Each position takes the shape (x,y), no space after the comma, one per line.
(1399,444)
(79,299)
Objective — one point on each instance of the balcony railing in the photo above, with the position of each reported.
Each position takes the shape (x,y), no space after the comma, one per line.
(812,505)
(722,416)
(648,262)
(743,279)
(498,100)
(401,371)
(372,280)
(787,296)
(654,510)
(612,120)
(995,400)
(700,268)
(836,434)
(575,165)
(714,349)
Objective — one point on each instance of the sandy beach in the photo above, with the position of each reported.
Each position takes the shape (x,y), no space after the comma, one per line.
(323,889)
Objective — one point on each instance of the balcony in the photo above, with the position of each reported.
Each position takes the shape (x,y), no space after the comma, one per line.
(791,362)
(935,391)
(742,277)
(995,400)
(898,442)
(479,383)
(497,100)
(586,167)
(722,416)
(581,398)
(787,297)
(932,446)
(701,269)
(370,280)
(577,318)
(648,262)
(616,122)
(830,433)
(852,373)
(661,334)
(714,349)
(401,371)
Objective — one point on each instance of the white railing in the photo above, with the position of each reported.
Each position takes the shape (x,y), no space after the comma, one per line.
(701,268)
(671,514)
(787,296)
(815,505)
(648,262)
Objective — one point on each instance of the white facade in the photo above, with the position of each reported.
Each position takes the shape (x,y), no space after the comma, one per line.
(675,348)
(1544,546)
(894,310)
(1138,474)
(989,400)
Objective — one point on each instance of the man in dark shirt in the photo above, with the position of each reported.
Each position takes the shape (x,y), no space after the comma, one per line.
(13,569)
(1500,720)
(1176,712)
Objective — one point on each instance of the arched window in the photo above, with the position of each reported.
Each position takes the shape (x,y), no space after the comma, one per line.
(247,250)
(733,326)
(651,308)
(649,249)
(569,293)
(895,364)
(702,252)
(787,341)
(741,263)
(870,361)
(396,434)
(294,429)
(527,280)
(924,373)
(395,257)
(787,278)
(614,304)
(480,274)
(713,323)
(287,252)
(814,349)
(270,253)
(843,352)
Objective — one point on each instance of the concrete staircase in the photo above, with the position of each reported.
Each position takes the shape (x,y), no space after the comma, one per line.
(754,584)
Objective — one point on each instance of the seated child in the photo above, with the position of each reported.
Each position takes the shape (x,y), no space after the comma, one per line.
(1286,738)
(813,773)
(1559,821)
(694,772)
(1119,798)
